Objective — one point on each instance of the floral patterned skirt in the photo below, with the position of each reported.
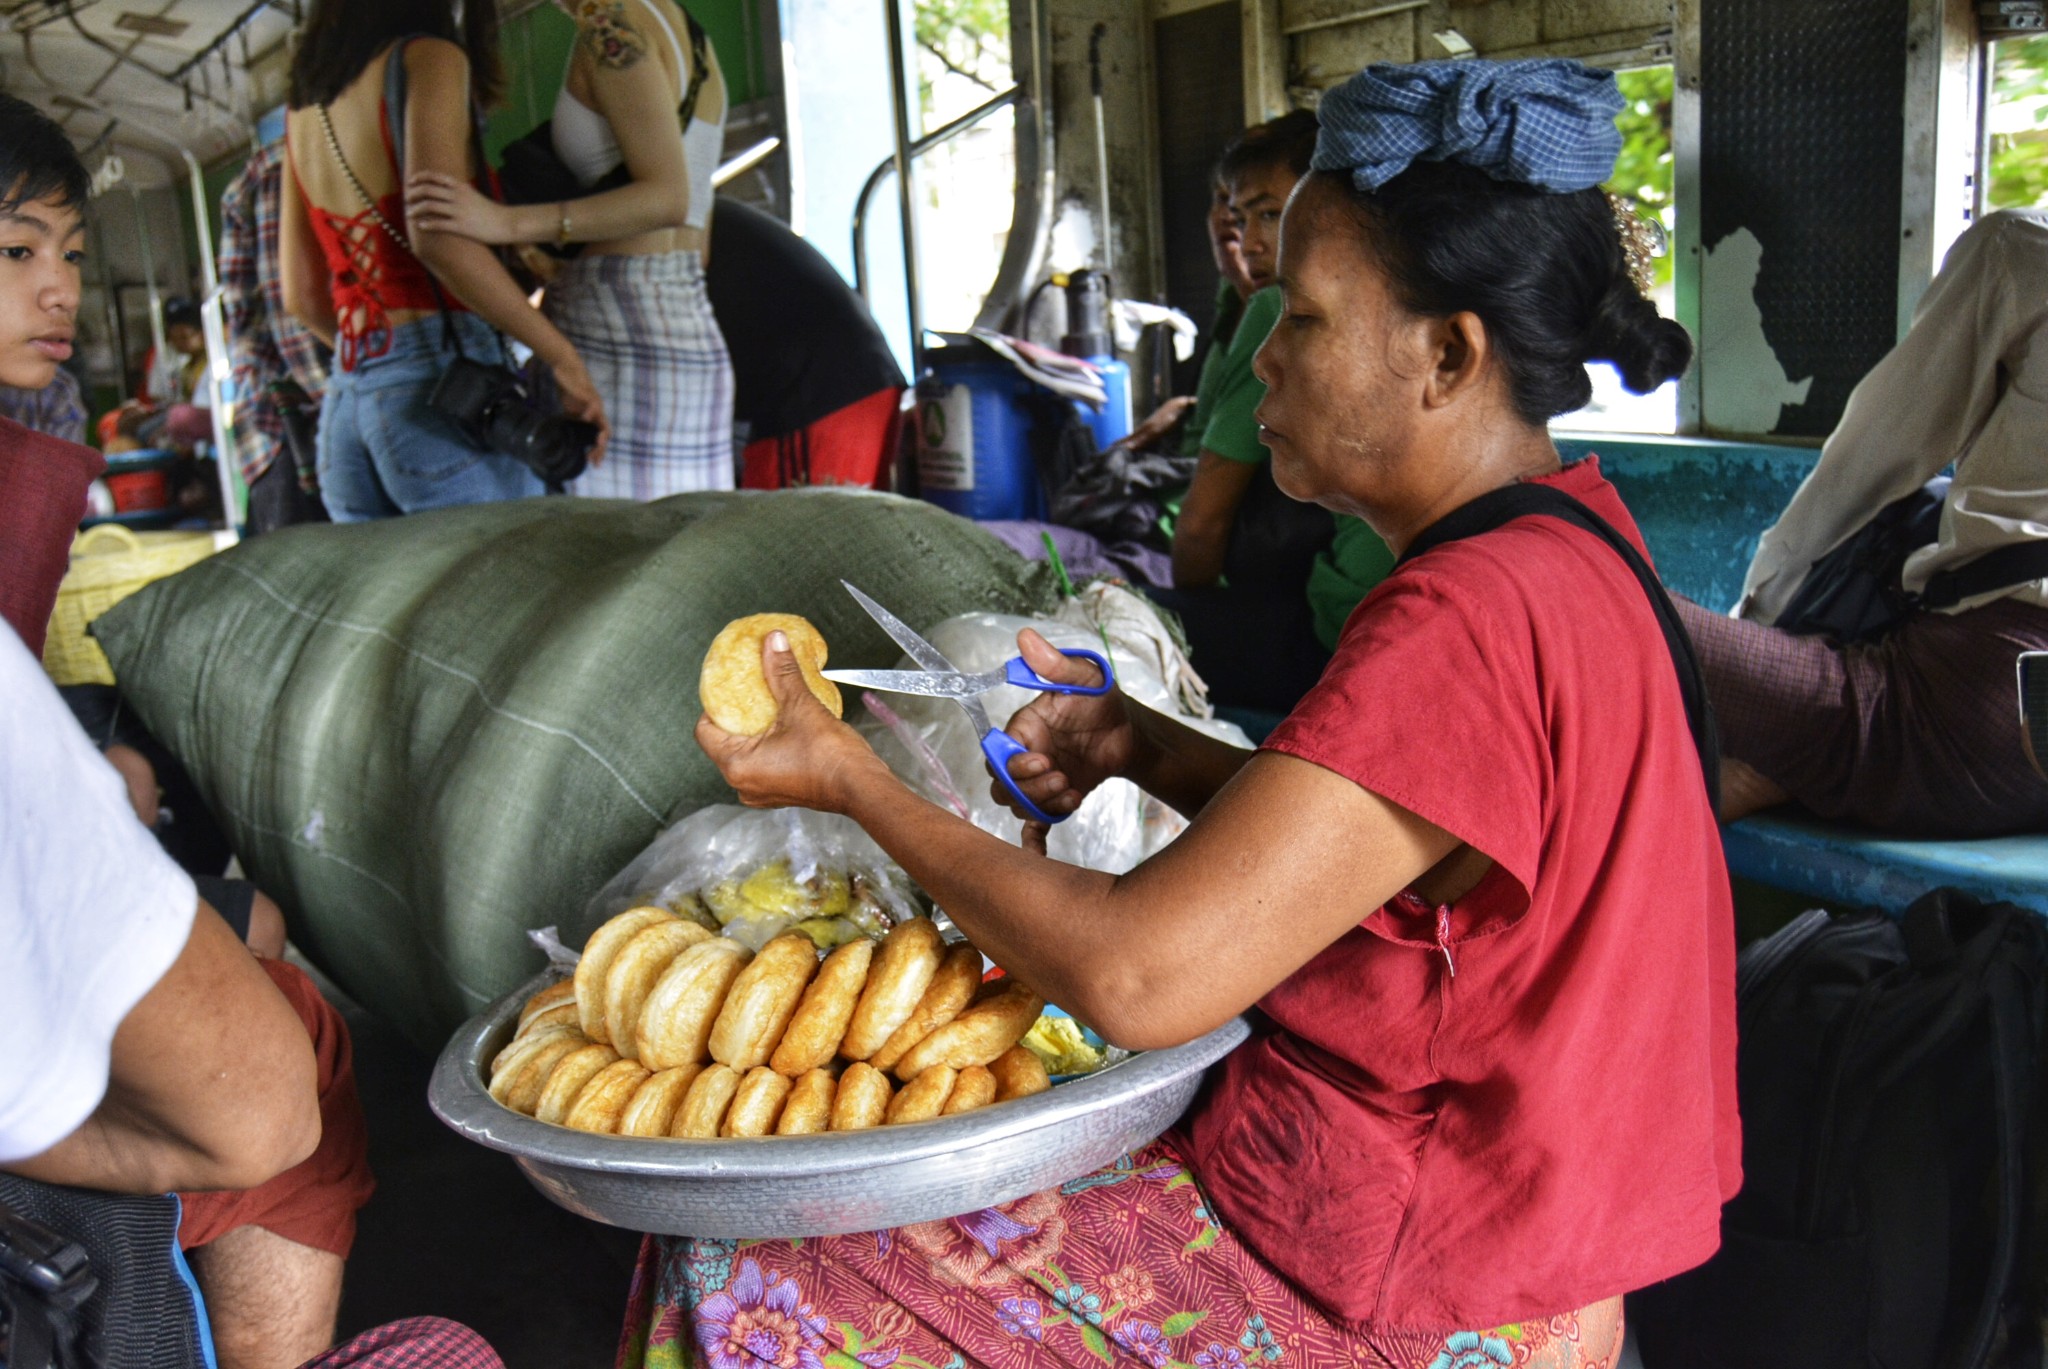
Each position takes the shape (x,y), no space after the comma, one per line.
(1125,1266)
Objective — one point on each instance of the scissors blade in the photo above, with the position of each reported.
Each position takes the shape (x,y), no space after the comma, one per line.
(932,684)
(916,647)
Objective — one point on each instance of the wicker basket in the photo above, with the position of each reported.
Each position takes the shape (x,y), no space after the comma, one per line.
(109,563)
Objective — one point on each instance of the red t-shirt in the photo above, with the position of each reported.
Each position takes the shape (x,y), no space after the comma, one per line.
(1554,1123)
(42,496)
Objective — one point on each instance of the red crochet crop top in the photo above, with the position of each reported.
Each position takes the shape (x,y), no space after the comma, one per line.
(373,273)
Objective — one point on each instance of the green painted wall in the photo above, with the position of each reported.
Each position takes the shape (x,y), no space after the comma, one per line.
(537,46)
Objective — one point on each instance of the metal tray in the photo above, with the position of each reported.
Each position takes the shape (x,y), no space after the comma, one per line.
(828,1184)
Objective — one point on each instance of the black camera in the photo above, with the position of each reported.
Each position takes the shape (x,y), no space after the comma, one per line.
(492,407)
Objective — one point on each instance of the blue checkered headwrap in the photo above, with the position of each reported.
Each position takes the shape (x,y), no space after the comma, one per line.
(1547,123)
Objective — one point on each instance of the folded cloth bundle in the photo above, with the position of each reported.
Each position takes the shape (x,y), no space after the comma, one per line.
(1547,123)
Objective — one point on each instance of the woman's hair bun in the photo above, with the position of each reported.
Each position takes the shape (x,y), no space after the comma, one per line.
(1645,347)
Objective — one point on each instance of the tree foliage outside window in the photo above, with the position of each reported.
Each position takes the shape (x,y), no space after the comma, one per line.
(964,38)
(2017,177)
(1643,171)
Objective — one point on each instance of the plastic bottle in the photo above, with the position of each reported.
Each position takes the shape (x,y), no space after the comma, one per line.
(1088,337)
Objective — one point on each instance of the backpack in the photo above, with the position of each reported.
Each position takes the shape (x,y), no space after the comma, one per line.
(1887,1080)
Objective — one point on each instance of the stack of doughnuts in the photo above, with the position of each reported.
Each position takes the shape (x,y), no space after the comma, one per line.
(669,1030)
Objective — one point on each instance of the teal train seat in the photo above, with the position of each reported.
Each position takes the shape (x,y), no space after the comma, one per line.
(1701,505)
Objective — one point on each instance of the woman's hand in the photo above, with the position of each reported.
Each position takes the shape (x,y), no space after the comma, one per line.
(808,759)
(1158,423)
(436,202)
(1076,741)
(581,400)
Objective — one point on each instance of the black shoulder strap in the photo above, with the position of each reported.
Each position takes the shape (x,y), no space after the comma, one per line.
(700,66)
(1498,507)
(2016,563)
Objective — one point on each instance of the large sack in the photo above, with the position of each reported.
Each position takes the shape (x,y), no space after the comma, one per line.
(427,735)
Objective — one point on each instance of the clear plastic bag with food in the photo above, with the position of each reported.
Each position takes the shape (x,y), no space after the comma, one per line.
(753,874)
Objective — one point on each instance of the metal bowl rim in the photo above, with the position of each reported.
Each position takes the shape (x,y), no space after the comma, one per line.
(457,1096)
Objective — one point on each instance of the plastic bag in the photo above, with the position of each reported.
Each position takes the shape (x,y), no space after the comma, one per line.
(754,874)
(931,745)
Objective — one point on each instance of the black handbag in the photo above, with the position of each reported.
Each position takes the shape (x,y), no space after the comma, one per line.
(1856,593)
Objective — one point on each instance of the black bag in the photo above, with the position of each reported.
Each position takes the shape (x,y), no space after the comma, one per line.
(91,1279)
(1887,1080)
(1856,592)
(1498,507)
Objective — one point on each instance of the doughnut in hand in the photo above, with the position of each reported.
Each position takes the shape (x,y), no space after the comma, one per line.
(734,689)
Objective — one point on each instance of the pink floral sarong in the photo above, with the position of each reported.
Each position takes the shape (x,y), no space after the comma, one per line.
(1126,1266)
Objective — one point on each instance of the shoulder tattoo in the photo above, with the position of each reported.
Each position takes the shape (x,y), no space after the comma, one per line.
(609,34)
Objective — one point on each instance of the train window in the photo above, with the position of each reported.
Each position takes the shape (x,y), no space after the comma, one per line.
(966,185)
(2016,124)
(1642,174)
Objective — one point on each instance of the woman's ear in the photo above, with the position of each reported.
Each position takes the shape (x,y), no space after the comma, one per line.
(1460,357)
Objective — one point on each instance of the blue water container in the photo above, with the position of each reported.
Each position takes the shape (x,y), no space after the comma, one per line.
(1112,422)
(1088,337)
(974,436)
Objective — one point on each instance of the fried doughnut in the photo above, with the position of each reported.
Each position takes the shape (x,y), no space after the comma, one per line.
(973,1087)
(762,1000)
(553,996)
(652,1108)
(809,1106)
(634,971)
(814,1033)
(675,1024)
(924,1097)
(901,972)
(988,1027)
(605,943)
(523,1042)
(1019,1073)
(862,1099)
(756,1103)
(567,1079)
(951,990)
(705,1104)
(734,689)
(525,1076)
(601,1103)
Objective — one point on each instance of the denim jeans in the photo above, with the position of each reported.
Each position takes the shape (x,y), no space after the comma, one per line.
(384,451)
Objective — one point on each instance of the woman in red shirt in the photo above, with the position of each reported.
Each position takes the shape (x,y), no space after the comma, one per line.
(1471,890)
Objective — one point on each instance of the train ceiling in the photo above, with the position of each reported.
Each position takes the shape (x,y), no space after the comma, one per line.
(144,78)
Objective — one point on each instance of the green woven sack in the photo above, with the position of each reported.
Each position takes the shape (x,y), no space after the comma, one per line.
(425,736)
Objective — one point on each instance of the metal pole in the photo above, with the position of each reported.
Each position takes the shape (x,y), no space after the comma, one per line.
(944,133)
(216,344)
(899,82)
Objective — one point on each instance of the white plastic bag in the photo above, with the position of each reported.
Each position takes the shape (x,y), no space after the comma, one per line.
(756,873)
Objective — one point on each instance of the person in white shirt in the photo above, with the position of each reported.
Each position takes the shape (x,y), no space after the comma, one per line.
(1914,733)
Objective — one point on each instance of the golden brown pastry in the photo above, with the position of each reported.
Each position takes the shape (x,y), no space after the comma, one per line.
(525,1077)
(675,1024)
(567,1079)
(605,943)
(562,1015)
(756,1104)
(1019,1073)
(814,1033)
(762,1000)
(651,1111)
(984,1030)
(732,685)
(600,1103)
(950,991)
(862,1099)
(973,1087)
(523,1044)
(808,1108)
(902,971)
(635,969)
(553,996)
(704,1106)
(924,1097)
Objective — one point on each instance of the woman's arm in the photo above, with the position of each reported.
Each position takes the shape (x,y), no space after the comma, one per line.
(211,1083)
(437,138)
(1201,531)
(633,94)
(308,291)
(1283,861)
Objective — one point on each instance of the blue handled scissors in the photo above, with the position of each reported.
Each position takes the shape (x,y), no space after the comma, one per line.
(938,679)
